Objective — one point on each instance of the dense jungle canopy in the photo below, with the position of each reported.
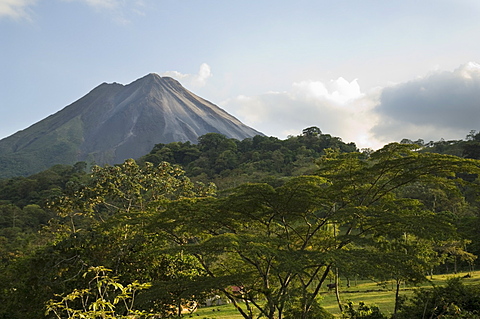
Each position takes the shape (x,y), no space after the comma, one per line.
(262,222)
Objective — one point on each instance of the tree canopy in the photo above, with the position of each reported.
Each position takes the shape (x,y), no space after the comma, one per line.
(310,213)
(281,243)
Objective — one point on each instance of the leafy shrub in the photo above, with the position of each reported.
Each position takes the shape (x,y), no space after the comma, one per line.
(363,311)
(455,300)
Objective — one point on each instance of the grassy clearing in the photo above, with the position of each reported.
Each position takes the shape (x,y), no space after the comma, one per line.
(367,291)
(217,312)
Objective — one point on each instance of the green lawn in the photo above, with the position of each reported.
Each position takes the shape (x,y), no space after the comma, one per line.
(367,291)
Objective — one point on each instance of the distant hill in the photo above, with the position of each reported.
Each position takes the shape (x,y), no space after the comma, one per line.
(230,162)
(114,122)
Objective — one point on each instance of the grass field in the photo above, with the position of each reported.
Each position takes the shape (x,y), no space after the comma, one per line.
(367,291)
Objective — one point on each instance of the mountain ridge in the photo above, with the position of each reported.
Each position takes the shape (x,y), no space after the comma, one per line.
(114,122)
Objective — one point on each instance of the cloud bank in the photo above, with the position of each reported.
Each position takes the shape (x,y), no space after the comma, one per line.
(338,108)
(439,105)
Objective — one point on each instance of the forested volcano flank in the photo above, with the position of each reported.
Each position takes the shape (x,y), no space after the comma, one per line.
(114,122)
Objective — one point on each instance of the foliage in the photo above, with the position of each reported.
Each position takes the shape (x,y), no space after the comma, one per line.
(278,242)
(229,162)
(37,188)
(316,311)
(104,297)
(455,300)
(125,188)
(22,204)
(268,246)
(363,311)
(102,222)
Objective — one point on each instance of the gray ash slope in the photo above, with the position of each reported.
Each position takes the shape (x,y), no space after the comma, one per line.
(114,122)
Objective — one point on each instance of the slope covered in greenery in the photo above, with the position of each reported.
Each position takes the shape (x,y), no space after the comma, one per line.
(229,162)
(291,217)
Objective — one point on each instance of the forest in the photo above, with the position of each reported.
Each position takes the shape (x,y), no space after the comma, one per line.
(265,224)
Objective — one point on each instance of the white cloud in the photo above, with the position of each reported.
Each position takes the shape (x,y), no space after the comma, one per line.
(338,108)
(339,91)
(192,80)
(203,74)
(440,105)
(16,9)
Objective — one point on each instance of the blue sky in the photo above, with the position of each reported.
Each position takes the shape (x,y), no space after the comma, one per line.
(368,71)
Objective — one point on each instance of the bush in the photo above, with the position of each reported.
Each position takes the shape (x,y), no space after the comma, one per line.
(363,311)
(455,300)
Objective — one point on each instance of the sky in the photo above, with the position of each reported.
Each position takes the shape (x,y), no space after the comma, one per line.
(370,72)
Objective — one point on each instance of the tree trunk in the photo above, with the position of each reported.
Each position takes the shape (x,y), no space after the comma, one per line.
(397,298)
(337,293)
(179,308)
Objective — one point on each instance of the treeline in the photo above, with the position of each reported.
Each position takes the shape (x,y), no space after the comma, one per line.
(156,235)
(468,148)
(216,158)
(23,209)
(230,162)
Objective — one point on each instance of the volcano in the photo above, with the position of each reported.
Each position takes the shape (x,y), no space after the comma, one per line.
(114,122)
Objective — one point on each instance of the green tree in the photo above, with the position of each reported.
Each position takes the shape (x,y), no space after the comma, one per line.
(277,243)
(312,131)
(363,311)
(103,222)
(455,300)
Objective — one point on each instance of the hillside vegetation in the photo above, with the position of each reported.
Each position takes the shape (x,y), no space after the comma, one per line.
(229,162)
(282,222)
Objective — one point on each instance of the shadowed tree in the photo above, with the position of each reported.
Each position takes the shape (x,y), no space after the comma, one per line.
(279,244)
